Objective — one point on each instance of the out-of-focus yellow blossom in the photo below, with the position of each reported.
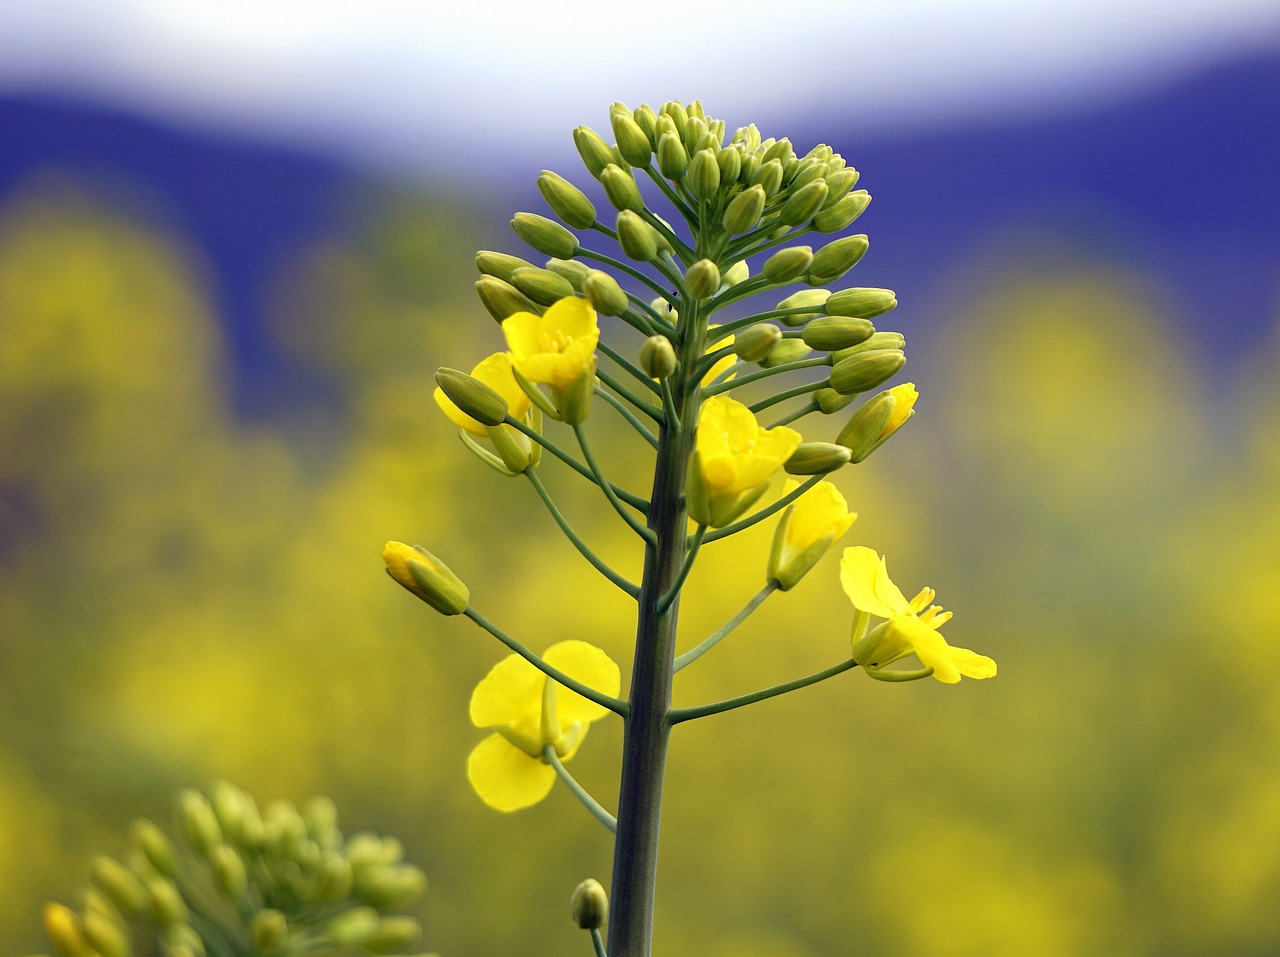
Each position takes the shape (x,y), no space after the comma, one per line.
(495,372)
(528,711)
(721,364)
(556,348)
(909,626)
(809,526)
(733,460)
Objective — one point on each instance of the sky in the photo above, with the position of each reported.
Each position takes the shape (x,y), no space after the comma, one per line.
(412,85)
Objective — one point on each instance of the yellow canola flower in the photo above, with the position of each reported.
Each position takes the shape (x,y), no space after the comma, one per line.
(733,460)
(528,711)
(909,626)
(905,396)
(556,348)
(809,526)
(495,372)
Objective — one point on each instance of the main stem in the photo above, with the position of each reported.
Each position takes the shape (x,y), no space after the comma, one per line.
(644,748)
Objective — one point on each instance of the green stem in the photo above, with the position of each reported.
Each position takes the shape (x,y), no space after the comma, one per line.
(635,371)
(672,196)
(799,413)
(691,555)
(679,245)
(607,487)
(615,705)
(669,406)
(578,543)
(696,652)
(718,707)
(764,374)
(652,411)
(789,394)
(782,314)
(629,270)
(590,803)
(635,501)
(768,510)
(627,414)
(598,942)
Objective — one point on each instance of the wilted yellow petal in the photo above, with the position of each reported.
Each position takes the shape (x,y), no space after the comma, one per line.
(505,777)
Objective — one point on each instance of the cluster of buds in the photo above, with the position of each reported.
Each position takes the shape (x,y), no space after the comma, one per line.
(242,881)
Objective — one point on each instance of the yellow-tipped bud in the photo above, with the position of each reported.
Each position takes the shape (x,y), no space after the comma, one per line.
(744,210)
(472,396)
(817,458)
(595,152)
(604,293)
(589,905)
(703,279)
(787,265)
(836,217)
(786,350)
(830,333)
(637,238)
(658,357)
(866,370)
(543,286)
(64,931)
(756,341)
(703,175)
(633,144)
(427,577)
(835,259)
(545,235)
(802,205)
(566,200)
(866,303)
(620,186)
(106,937)
(877,419)
(673,160)
(807,529)
(499,265)
(503,299)
(269,930)
(199,823)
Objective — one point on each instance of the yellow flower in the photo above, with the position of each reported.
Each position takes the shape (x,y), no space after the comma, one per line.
(733,460)
(495,372)
(556,348)
(909,626)
(528,711)
(809,526)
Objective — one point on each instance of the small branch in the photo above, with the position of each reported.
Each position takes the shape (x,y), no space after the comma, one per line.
(635,501)
(598,942)
(590,803)
(626,413)
(691,554)
(630,271)
(799,413)
(693,654)
(636,372)
(768,510)
(578,543)
(678,715)
(790,394)
(764,374)
(607,487)
(672,196)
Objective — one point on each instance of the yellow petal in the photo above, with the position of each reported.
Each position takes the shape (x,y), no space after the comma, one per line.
(505,777)
(521,331)
(573,316)
(457,416)
(586,663)
(495,372)
(510,694)
(973,665)
(865,579)
(905,396)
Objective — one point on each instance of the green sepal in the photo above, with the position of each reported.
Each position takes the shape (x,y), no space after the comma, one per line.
(543,286)
(499,265)
(621,189)
(831,333)
(536,395)
(835,259)
(841,214)
(484,455)
(503,299)
(545,235)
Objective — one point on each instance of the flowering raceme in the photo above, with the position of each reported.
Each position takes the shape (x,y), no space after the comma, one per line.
(529,712)
(809,526)
(909,626)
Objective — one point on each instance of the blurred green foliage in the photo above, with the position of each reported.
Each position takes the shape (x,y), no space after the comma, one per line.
(186,595)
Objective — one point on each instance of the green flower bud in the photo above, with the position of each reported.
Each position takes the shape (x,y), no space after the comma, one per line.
(810,300)
(566,200)
(787,265)
(810,170)
(157,848)
(569,269)
(633,144)
(748,136)
(703,176)
(542,285)
(620,186)
(166,904)
(816,458)
(703,279)
(180,940)
(786,350)
(589,905)
(838,216)
(229,871)
(658,357)
(729,159)
(228,802)
(835,259)
(64,931)
(829,400)
(877,419)
(695,130)
(427,577)
(199,824)
(106,937)
(639,240)
(391,934)
(595,152)
(738,272)
(120,885)
(839,182)
(604,293)
(499,265)
(830,333)
(756,341)
(866,303)
(678,116)
(387,886)
(333,879)
(545,235)
(269,930)
(503,299)
(768,177)
(877,340)
(707,141)
(837,163)
(354,927)
(472,396)
(782,151)
(866,370)
(673,160)
(750,163)
(802,204)
(647,120)
(744,210)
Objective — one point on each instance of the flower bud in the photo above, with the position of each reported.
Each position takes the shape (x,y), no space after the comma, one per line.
(677,115)
(658,357)
(647,120)
(269,930)
(633,144)
(199,823)
(782,151)
(427,577)
(499,265)
(802,204)
(595,152)
(566,200)
(756,341)
(786,350)
(830,333)
(866,370)
(105,936)
(391,934)
(836,217)
(812,301)
(744,210)
(472,396)
(545,235)
(64,931)
(738,272)
(120,885)
(866,303)
(877,419)
(816,458)
(503,299)
(839,182)
(354,927)
(809,171)
(703,176)
(750,163)
(157,848)
(729,159)
(166,904)
(589,905)
(639,240)
(787,265)
(604,293)
(829,400)
(569,269)
(877,340)
(673,160)
(835,259)
(703,279)
(768,177)
(543,286)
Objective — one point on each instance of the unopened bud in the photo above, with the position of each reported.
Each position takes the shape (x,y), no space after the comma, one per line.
(543,286)
(840,214)
(566,200)
(738,272)
(835,259)
(499,265)
(595,152)
(756,341)
(647,120)
(703,176)
(703,279)
(427,577)
(829,400)
(545,235)
(658,357)
(589,905)
(620,186)
(503,299)
(812,301)
(786,350)
(830,333)
(637,238)
(768,177)
(877,340)
(633,144)
(816,458)
(354,927)
(166,904)
(604,293)
(673,160)
(810,170)
(839,181)
(472,396)
(866,370)
(120,885)
(333,880)
(570,269)
(744,210)
(155,846)
(877,419)
(199,824)
(64,931)
(787,265)
(105,936)
(802,205)
(269,930)
(391,934)
(866,303)
(729,159)
(229,871)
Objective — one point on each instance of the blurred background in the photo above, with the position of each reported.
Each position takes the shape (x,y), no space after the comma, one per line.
(236,240)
